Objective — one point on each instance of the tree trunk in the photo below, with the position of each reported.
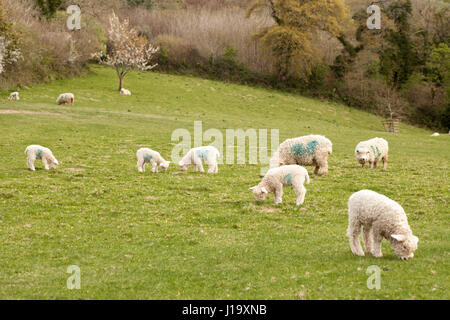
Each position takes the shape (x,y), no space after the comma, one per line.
(120,82)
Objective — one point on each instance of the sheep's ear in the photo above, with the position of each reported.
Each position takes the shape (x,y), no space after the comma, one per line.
(264,190)
(252,188)
(399,237)
(180,163)
(416,239)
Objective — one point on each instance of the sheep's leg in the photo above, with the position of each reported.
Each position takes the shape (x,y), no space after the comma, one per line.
(30,162)
(353,232)
(385,159)
(154,167)
(300,191)
(278,194)
(45,162)
(376,249)
(375,164)
(363,165)
(371,164)
(316,169)
(368,238)
(201,167)
(323,167)
(140,165)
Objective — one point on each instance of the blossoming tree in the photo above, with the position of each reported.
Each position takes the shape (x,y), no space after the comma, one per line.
(127,50)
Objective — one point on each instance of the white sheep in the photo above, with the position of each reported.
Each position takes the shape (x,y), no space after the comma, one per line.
(276,178)
(372,151)
(125,92)
(14,96)
(312,150)
(436,134)
(64,98)
(195,156)
(34,152)
(380,217)
(146,155)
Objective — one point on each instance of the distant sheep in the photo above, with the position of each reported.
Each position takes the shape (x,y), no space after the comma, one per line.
(380,217)
(312,150)
(372,151)
(195,156)
(34,152)
(125,92)
(277,178)
(66,98)
(436,134)
(146,155)
(14,96)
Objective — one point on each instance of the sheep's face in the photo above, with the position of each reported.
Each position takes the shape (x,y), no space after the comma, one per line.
(404,245)
(260,193)
(362,155)
(53,163)
(183,166)
(164,165)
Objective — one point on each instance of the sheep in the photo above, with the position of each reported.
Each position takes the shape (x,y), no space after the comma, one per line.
(380,217)
(372,151)
(125,92)
(436,134)
(66,98)
(195,156)
(312,150)
(277,178)
(146,155)
(14,96)
(34,152)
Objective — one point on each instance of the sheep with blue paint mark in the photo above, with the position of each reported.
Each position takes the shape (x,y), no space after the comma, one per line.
(311,150)
(147,155)
(196,157)
(277,178)
(372,151)
(35,151)
(64,98)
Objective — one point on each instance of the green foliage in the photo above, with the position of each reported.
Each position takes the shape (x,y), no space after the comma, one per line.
(149,4)
(439,65)
(48,7)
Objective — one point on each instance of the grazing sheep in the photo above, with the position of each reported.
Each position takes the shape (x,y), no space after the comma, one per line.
(34,152)
(65,98)
(312,150)
(277,178)
(14,96)
(125,92)
(146,155)
(436,134)
(372,151)
(380,217)
(195,156)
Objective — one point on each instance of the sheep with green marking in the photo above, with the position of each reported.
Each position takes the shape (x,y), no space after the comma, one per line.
(64,98)
(312,150)
(147,155)
(35,151)
(196,156)
(277,178)
(372,151)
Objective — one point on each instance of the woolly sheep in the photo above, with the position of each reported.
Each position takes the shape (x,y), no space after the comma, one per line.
(146,155)
(34,152)
(312,150)
(195,156)
(65,98)
(436,134)
(380,217)
(372,151)
(125,92)
(14,96)
(277,178)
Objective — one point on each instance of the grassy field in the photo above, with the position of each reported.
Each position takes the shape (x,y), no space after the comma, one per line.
(199,236)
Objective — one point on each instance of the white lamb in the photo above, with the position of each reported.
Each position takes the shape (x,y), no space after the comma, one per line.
(372,151)
(34,152)
(14,96)
(66,98)
(146,155)
(312,150)
(380,218)
(195,156)
(277,178)
(125,92)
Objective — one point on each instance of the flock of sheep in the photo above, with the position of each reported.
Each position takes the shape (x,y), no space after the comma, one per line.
(378,216)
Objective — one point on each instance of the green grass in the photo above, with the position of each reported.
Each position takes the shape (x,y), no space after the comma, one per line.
(198,236)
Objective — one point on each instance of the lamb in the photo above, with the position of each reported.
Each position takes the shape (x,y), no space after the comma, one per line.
(146,155)
(34,152)
(14,96)
(380,218)
(195,156)
(65,98)
(277,178)
(312,150)
(125,92)
(372,151)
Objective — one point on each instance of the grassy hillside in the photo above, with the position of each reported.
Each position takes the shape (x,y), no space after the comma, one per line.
(189,236)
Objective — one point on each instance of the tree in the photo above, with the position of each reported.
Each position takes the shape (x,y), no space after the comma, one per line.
(48,7)
(297,24)
(9,45)
(127,50)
